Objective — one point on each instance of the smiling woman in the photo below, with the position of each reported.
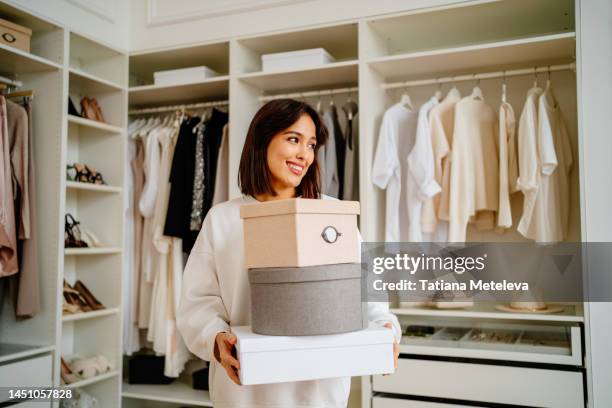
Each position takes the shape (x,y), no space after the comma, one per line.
(286,135)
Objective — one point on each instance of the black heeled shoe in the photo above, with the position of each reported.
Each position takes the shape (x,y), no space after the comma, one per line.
(72,233)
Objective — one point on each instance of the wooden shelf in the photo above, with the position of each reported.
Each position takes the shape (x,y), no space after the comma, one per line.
(92,251)
(177,393)
(338,75)
(9,352)
(76,185)
(214,88)
(518,53)
(89,315)
(15,61)
(93,380)
(90,84)
(93,124)
(487,311)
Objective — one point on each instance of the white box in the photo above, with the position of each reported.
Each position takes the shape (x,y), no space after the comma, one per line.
(275,359)
(296,59)
(183,75)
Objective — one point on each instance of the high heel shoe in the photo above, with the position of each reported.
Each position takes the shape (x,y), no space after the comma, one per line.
(77,303)
(97,109)
(89,297)
(95,176)
(72,233)
(66,373)
(87,109)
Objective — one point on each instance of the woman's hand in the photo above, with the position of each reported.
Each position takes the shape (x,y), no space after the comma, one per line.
(396,349)
(225,352)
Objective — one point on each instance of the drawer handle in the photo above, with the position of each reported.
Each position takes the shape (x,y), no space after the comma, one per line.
(330,234)
(9,38)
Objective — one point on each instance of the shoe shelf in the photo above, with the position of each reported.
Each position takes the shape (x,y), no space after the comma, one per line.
(84,123)
(92,187)
(481,310)
(92,251)
(99,62)
(88,83)
(89,315)
(94,380)
(176,393)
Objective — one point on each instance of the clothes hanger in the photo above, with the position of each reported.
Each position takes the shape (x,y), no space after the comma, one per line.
(350,108)
(406,101)
(318,108)
(504,88)
(477,92)
(535,78)
(548,80)
(439,90)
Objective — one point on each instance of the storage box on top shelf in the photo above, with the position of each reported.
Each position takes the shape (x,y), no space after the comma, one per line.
(300,232)
(15,35)
(296,59)
(275,359)
(183,75)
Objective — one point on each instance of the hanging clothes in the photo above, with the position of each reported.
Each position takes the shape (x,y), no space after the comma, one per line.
(441,123)
(8,235)
(420,183)
(222,176)
(508,165)
(474,183)
(328,160)
(395,141)
(350,190)
(332,122)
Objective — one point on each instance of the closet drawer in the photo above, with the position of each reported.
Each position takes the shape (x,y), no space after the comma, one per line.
(484,383)
(34,372)
(383,402)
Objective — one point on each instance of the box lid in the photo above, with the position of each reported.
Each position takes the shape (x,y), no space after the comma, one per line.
(298,53)
(298,206)
(305,273)
(249,342)
(16,27)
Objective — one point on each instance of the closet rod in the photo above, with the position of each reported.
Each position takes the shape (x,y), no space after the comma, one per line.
(484,75)
(309,94)
(10,82)
(178,107)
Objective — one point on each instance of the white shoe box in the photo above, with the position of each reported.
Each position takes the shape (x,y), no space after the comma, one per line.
(183,75)
(276,359)
(283,61)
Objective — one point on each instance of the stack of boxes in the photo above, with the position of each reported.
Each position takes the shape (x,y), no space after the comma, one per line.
(307,315)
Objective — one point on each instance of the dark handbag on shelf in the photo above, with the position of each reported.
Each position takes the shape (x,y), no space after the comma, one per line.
(147,369)
(200,379)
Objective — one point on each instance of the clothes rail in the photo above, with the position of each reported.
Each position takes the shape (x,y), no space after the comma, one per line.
(178,107)
(11,82)
(484,75)
(322,92)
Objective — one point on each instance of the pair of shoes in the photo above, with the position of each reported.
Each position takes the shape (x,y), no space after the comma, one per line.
(78,298)
(91,110)
(68,377)
(79,399)
(91,366)
(83,174)
(72,233)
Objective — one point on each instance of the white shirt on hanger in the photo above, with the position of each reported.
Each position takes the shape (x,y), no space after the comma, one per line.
(395,141)
(420,183)
(508,170)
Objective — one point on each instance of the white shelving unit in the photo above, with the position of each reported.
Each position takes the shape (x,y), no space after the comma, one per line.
(62,62)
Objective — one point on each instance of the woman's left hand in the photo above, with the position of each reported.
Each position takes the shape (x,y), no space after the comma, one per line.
(396,349)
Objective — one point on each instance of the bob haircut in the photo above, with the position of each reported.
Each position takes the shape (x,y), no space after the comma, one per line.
(254,176)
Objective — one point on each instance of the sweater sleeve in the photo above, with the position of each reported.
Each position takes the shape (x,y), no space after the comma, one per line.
(201,313)
(386,160)
(421,158)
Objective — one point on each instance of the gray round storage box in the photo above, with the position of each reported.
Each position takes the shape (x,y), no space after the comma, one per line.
(305,301)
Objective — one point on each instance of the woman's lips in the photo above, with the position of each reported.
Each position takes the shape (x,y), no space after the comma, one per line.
(295,168)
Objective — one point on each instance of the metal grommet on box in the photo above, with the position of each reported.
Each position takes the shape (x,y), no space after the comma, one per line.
(330,234)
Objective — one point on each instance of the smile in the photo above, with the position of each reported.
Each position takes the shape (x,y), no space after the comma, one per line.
(295,168)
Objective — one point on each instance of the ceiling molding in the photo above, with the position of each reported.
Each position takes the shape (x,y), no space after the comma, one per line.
(154,19)
(103,9)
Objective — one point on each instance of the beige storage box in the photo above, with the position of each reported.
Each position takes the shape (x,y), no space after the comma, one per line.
(300,232)
(15,35)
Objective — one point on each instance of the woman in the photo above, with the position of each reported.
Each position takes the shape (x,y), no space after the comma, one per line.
(278,162)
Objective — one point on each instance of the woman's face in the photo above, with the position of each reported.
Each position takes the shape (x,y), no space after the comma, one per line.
(291,152)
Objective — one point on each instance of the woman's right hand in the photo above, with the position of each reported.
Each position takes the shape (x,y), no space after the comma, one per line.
(224,353)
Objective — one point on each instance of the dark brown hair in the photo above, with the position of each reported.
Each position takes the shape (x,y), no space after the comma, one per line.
(254,176)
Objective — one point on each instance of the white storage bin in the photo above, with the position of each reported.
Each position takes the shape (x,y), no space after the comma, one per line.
(284,61)
(300,232)
(183,75)
(275,359)
(486,383)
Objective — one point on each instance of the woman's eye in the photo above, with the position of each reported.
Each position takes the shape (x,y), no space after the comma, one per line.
(293,139)
(312,146)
